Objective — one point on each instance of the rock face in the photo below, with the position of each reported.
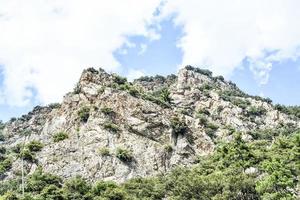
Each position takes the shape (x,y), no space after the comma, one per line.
(158,122)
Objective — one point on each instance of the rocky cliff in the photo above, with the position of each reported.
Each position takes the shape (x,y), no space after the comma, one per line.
(111,129)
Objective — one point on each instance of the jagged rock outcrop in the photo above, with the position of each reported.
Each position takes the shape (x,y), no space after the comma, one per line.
(158,122)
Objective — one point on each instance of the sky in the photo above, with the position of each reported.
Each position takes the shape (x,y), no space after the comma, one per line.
(45,45)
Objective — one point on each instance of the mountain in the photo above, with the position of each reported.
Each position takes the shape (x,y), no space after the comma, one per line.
(113,130)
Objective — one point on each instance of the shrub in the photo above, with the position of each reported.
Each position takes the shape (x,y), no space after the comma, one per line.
(28,152)
(210,130)
(5,165)
(51,192)
(119,80)
(60,136)
(203,111)
(205,87)
(13,119)
(198,70)
(221,78)
(54,105)
(112,127)
(84,113)
(241,102)
(2,138)
(2,150)
(146,188)
(202,119)
(220,175)
(289,110)
(145,79)
(124,155)
(9,185)
(104,151)
(101,90)
(10,196)
(107,110)
(256,111)
(77,89)
(229,94)
(133,91)
(2,125)
(125,86)
(28,155)
(178,126)
(39,180)
(155,100)
(34,146)
(76,188)
(220,109)
(164,95)
(115,194)
(101,187)
(168,148)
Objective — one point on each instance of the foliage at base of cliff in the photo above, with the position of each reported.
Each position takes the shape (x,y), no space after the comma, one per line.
(266,168)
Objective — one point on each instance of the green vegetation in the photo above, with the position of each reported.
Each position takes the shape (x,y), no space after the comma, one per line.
(163,94)
(155,100)
(54,105)
(107,110)
(133,92)
(29,150)
(242,103)
(228,95)
(84,113)
(111,126)
(256,111)
(34,146)
(77,89)
(210,130)
(101,90)
(290,110)
(232,94)
(205,86)
(223,175)
(60,136)
(2,125)
(2,138)
(178,125)
(168,148)
(202,119)
(119,80)
(28,155)
(221,78)
(198,70)
(209,127)
(131,89)
(104,151)
(203,111)
(124,155)
(158,78)
(5,164)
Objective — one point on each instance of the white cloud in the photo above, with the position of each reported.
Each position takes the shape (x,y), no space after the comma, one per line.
(143,49)
(44,45)
(134,74)
(220,34)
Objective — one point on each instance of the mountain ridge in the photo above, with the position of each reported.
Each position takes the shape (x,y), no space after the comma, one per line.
(114,130)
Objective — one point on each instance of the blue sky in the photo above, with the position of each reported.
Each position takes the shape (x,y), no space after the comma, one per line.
(255,45)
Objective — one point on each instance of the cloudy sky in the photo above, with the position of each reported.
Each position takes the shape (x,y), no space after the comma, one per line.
(45,44)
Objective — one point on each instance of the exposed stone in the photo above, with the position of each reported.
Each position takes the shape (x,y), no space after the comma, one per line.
(139,125)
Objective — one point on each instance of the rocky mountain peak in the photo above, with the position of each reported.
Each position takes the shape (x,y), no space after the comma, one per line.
(112,129)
